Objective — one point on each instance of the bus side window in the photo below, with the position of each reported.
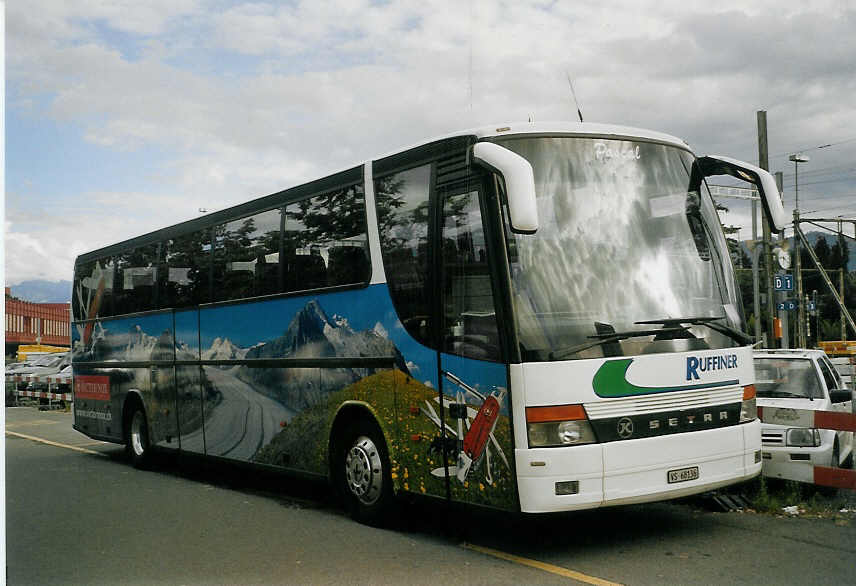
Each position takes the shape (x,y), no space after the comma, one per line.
(330,244)
(93,290)
(246,257)
(469,327)
(402,212)
(187,260)
(136,288)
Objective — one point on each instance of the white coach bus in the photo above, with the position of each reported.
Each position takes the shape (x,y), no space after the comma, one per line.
(534,317)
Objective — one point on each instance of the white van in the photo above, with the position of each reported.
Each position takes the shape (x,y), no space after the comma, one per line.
(801,379)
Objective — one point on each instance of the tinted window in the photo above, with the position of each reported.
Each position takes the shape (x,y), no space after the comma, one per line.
(137,279)
(469,321)
(402,210)
(246,257)
(92,295)
(828,376)
(188,259)
(324,240)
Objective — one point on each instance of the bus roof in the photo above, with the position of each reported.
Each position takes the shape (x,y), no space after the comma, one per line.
(572,129)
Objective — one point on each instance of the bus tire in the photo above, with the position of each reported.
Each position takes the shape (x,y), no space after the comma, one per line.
(137,445)
(362,473)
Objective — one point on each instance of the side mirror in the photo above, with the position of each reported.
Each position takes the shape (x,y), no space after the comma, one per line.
(519,183)
(840,395)
(772,202)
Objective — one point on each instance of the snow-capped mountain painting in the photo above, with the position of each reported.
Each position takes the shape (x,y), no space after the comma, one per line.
(313,334)
(223,349)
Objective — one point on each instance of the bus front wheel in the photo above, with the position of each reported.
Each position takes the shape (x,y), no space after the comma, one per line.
(137,437)
(363,474)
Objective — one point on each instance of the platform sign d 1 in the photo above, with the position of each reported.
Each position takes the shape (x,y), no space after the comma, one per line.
(783,282)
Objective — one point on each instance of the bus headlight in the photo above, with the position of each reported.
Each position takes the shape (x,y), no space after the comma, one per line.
(564,425)
(801,437)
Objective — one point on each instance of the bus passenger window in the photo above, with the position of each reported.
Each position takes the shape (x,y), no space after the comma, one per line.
(324,240)
(137,274)
(93,290)
(246,257)
(402,212)
(188,259)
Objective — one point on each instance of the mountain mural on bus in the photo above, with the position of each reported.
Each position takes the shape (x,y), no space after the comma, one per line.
(282,416)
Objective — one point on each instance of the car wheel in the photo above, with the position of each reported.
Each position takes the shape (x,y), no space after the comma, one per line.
(137,437)
(363,473)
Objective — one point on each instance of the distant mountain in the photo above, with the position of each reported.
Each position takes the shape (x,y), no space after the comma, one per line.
(40,291)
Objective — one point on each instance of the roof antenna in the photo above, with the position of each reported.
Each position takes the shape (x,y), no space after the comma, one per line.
(574,94)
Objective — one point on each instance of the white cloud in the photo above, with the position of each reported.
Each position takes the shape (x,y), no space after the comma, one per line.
(290,92)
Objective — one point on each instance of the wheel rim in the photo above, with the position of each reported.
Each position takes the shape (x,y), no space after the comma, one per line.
(364,471)
(138,433)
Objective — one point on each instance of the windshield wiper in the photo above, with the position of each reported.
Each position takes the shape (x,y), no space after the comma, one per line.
(607,338)
(710,322)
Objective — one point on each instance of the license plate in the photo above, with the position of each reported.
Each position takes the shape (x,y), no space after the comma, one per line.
(682,474)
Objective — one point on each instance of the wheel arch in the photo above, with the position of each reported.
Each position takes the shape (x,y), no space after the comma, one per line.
(132,399)
(347,413)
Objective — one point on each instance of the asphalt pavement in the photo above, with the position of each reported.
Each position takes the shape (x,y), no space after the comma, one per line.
(77,513)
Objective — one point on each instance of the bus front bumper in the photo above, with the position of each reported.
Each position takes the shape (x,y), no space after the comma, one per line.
(637,471)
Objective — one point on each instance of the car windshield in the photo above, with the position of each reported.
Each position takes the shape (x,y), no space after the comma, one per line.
(628,233)
(787,378)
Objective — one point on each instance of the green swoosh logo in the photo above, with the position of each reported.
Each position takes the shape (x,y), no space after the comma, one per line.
(610,381)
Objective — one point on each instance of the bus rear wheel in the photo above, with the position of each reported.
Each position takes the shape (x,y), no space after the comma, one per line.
(137,444)
(363,474)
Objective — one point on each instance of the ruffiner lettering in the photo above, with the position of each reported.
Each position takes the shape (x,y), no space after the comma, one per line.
(709,363)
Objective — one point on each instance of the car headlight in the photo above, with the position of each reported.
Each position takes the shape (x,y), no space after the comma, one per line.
(802,437)
(563,425)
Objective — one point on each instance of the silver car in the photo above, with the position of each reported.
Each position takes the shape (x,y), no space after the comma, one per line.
(807,380)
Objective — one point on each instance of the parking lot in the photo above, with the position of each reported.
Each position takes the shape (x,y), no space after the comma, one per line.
(77,513)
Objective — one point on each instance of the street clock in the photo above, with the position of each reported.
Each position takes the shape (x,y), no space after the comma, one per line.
(783,257)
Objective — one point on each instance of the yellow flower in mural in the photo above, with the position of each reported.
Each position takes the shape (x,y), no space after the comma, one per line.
(481,487)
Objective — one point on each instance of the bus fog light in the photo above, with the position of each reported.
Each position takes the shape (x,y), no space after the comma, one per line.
(568,487)
(538,434)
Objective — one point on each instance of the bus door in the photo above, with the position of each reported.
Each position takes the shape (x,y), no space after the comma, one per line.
(189,385)
(474,379)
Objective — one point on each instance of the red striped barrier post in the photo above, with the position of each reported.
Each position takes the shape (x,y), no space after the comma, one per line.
(50,380)
(835,420)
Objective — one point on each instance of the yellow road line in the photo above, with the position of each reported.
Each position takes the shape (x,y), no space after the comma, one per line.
(540,565)
(92,444)
(55,444)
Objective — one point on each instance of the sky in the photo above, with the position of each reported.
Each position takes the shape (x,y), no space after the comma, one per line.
(124,116)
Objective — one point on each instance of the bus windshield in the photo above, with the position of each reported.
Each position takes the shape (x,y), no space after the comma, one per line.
(629,242)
